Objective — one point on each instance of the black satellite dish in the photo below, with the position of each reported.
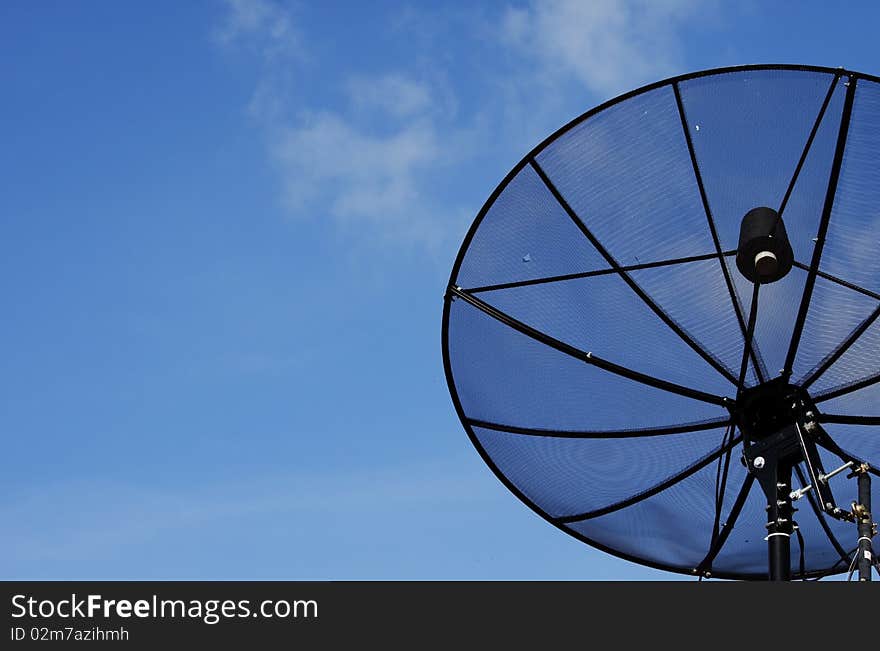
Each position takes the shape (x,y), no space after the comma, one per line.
(661,331)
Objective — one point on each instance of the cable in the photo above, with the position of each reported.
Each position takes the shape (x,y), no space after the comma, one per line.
(852,565)
(801,545)
(721,481)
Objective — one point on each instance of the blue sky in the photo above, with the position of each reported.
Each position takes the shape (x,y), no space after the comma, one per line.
(225,233)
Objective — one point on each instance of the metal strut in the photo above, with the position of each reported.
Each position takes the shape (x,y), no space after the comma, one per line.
(866,526)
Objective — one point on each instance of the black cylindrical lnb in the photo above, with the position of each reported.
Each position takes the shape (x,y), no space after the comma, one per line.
(764,254)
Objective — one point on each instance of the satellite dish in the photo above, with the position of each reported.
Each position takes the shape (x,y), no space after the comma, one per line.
(661,331)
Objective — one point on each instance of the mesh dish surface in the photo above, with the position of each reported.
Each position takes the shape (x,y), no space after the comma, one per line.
(614,240)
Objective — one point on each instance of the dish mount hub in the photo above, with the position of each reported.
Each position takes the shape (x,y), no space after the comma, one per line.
(769,407)
(764,254)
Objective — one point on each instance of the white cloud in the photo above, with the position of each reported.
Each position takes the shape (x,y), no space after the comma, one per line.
(375,158)
(608,45)
(263,22)
(359,174)
(392,93)
(266,29)
(372,182)
(367,162)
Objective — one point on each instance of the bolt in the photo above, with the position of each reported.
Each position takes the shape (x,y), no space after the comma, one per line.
(758,462)
(829,505)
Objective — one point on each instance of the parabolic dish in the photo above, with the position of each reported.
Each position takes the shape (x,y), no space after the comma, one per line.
(595,321)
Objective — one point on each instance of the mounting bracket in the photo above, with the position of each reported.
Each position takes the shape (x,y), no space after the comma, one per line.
(777,420)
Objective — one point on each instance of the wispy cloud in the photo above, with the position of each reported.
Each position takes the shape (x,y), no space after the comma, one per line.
(366,162)
(361,175)
(391,93)
(368,158)
(608,45)
(258,22)
(115,515)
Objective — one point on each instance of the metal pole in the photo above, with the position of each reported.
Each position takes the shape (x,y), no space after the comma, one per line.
(779,527)
(866,525)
